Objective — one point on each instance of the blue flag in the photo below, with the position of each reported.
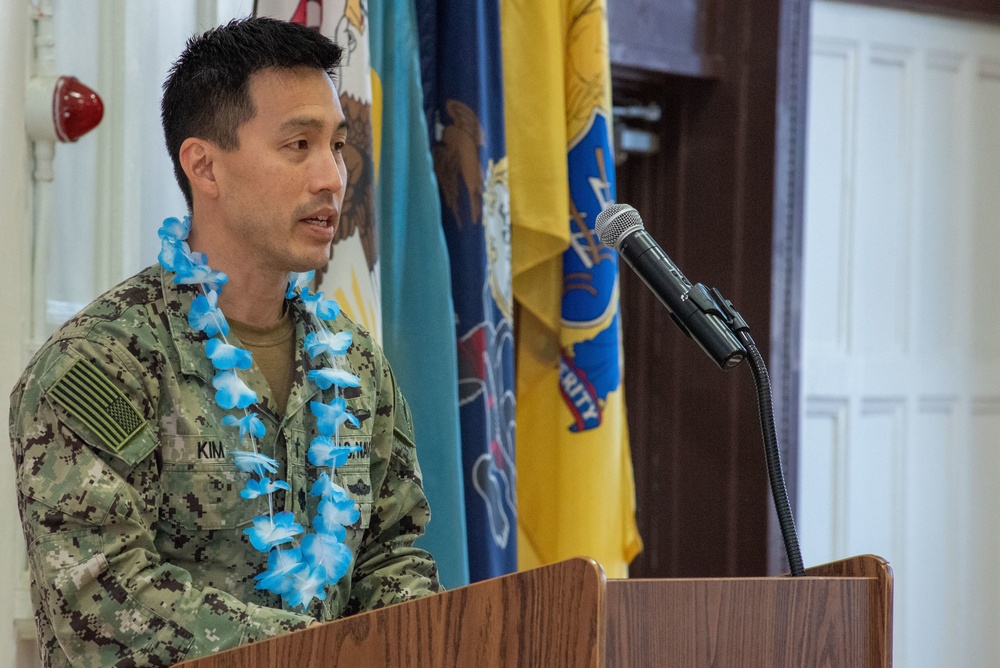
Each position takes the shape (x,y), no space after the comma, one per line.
(463,89)
(417,309)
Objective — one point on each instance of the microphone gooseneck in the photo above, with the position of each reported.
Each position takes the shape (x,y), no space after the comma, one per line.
(772,456)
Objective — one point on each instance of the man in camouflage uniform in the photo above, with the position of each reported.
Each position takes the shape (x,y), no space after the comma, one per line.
(131,510)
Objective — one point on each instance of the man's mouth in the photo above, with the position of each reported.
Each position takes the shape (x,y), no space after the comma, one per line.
(321,221)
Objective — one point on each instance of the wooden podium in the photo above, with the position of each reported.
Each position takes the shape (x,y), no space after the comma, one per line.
(568,615)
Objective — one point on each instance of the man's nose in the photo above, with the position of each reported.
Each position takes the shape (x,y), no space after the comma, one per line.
(330,173)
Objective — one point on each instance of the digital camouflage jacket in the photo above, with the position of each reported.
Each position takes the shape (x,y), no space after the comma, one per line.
(131,510)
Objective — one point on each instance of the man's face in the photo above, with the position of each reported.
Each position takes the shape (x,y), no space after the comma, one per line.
(281,191)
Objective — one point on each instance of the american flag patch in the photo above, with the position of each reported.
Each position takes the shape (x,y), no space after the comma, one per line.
(89,396)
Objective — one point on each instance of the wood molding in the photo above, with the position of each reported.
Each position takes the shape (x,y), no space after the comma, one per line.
(787,273)
(975,10)
(662,37)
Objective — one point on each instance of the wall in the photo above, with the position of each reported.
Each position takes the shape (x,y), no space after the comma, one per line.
(15,227)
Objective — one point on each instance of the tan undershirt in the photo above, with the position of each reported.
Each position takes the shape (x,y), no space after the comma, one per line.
(273,351)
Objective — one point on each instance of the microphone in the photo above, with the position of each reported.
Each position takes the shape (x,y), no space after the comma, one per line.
(701,314)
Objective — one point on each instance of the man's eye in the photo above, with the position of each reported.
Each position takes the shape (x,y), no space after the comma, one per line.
(300,145)
(339,146)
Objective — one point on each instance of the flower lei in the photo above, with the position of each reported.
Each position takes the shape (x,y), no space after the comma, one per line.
(297,574)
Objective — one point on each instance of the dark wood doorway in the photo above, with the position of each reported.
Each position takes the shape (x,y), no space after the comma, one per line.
(723,198)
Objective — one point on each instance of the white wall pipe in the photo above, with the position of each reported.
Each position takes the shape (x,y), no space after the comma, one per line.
(44,152)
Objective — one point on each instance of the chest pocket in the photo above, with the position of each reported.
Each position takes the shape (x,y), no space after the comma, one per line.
(203,491)
(354,477)
(206,497)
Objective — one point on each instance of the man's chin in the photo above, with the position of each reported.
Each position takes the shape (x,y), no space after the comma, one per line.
(310,264)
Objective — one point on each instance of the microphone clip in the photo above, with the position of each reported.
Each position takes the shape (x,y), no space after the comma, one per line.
(725,310)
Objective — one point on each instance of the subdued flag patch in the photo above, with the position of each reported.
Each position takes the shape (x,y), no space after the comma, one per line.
(89,396)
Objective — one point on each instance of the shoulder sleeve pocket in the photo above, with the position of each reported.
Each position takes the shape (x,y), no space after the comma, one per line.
(88,401)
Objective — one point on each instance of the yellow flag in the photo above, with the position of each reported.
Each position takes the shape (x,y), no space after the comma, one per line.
(575,489)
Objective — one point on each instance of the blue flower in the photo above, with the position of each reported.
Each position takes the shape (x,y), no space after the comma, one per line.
(328,526)
(200,273)
(335,509)
(232,391)
(268,532)
(205,315)
(261,487)
(340,510)
(297,281)
(174,228)
(324,452)
(248,424)
(326,378)
(307,585)
(323,341)
(255,462)
(325,309)
(282,565)
(328,552)
(332,415)
(326,488)
(174,255)
(226,356)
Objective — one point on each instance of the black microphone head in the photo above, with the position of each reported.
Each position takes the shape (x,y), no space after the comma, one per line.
(615,222)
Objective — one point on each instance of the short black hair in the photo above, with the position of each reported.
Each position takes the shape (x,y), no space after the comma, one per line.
(207,91)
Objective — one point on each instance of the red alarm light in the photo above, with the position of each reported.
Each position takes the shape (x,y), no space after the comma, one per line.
(60,109)
(76,109)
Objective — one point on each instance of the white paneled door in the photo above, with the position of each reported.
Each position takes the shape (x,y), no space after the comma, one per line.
(900,441)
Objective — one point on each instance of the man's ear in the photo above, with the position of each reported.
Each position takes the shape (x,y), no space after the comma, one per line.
(197,157)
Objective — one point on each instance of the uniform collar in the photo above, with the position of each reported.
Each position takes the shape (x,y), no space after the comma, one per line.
(190,345)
